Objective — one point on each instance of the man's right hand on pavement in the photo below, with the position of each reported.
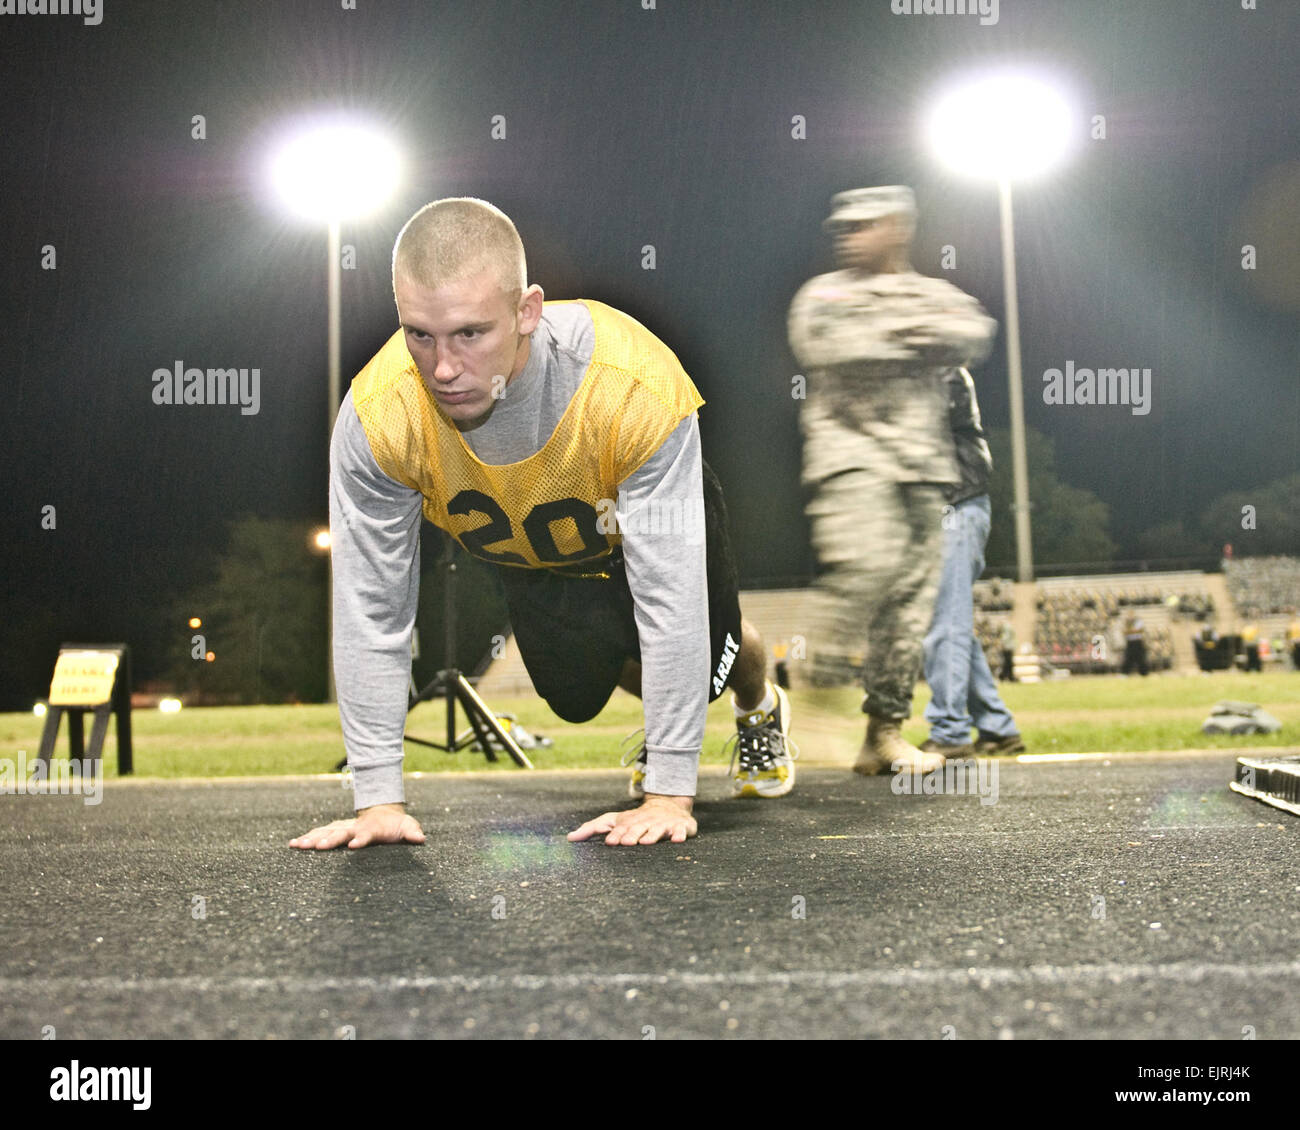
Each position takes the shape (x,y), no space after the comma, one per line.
(380,824)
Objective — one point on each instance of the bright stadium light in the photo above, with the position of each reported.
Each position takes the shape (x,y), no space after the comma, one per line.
(170,705)
(320,540)
(1006,127)
(1010,125)
(336,170)
(333,169)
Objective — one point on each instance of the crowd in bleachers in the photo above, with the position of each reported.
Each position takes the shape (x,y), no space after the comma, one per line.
(1263,586)
(1191,606)
(1083,629)
(986,631)
(994,595)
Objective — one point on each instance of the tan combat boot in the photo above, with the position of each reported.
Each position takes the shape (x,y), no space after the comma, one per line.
(885,750)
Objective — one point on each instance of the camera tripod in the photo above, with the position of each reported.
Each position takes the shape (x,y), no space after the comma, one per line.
(453,687)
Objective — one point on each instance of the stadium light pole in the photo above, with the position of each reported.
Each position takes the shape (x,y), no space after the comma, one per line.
(329,171)
(1006,127)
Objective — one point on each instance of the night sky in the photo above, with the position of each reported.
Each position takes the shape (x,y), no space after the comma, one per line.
(624,127)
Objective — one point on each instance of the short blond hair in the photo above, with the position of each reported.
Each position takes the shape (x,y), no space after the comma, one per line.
(451,239)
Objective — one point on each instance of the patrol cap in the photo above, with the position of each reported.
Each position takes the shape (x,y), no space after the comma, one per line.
(869,204)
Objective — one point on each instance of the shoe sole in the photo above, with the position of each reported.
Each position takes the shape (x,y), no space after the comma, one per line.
(753,790)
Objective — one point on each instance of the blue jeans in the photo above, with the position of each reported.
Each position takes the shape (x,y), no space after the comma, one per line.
(963,692)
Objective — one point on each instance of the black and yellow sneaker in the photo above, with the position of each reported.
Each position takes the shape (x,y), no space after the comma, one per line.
(762,760)
(634,755)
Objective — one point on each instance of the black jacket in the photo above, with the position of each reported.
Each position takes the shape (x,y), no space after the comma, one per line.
(974,462)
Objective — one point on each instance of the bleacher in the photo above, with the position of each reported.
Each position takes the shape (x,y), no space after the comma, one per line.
(1264,586)
(1080,623)
(1266,592)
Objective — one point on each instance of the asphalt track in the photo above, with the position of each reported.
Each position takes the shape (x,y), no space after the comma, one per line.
(925,916)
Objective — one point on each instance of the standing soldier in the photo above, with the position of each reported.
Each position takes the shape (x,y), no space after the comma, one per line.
(877,340)
(1135,644)
(1007,646)
(1250,641)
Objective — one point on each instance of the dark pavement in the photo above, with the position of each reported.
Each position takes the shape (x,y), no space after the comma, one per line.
(925,916)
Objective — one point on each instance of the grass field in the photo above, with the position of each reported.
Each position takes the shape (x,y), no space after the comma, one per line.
(1100,713)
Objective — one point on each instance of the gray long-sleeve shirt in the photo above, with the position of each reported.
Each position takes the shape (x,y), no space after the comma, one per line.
(375,523)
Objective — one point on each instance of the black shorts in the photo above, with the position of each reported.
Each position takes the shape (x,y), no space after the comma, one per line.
(576,633)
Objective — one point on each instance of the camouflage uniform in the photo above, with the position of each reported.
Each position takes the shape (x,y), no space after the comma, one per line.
(877,454)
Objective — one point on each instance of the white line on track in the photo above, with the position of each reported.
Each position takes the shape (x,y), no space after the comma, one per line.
(999,833)
(1116,974)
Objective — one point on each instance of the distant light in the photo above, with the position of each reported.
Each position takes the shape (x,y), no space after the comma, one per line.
(195,622)
(321,540)
(170,705)
(336,170)
(1007,125)
(39,710)
(210,656)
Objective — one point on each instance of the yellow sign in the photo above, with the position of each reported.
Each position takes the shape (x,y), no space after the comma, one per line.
(83,678)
